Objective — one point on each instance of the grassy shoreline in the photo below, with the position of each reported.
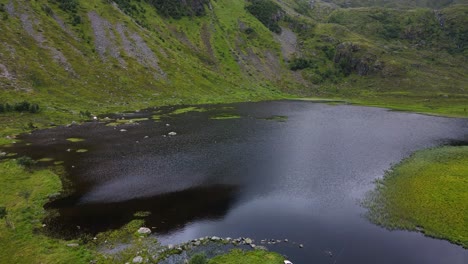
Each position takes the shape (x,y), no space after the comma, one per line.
(426,192)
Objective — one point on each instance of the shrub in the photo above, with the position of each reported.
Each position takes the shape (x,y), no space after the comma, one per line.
(3,212)
(85,113)
(24,106)
(25,161)
(300,63)
(47,10)
(67,5)
(267,12)
(179,8)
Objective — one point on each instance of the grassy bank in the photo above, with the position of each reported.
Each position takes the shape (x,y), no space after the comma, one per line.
(24,193)
(251,257)
(426,192)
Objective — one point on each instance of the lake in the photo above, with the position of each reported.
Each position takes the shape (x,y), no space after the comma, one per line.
(291,170)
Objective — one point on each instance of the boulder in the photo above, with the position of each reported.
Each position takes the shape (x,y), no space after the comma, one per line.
(144,231)
(137,259)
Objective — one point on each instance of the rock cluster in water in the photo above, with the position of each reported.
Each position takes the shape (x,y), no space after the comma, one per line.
(241,241)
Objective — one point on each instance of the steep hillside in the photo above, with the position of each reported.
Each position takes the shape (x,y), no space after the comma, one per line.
(74,58)
(395,3)
(92,55)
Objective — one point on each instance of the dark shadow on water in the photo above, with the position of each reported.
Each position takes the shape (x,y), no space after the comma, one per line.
(168,212)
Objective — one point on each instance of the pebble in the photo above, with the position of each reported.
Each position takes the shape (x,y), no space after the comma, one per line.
(137,259)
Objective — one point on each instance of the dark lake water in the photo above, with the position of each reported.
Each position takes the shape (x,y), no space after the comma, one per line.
(283,169)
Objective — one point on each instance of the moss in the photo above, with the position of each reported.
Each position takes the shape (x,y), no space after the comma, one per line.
(187,109)
(251,257)
(425,192)
(225,116)
(277,118)
(75,140)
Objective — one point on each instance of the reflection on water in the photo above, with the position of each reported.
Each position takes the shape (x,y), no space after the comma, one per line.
(298,177)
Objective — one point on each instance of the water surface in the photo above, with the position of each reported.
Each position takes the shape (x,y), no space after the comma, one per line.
(284,169)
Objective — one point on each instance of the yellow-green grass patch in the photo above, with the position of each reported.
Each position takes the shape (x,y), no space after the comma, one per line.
(426,192)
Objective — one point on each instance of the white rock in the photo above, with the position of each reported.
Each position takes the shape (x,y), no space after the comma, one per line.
(144,231)
(123,130)
(137,259)
(287,262)
(172,133)
(72,245)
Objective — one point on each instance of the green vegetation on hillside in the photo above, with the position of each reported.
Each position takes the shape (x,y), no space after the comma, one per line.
(268,12)
(396,3)
(426,192)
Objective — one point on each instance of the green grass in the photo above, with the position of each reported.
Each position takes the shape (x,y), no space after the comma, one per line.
(251,257)
(24,193)
(428,192)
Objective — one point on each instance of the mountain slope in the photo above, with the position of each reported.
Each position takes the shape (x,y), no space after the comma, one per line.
(73,57)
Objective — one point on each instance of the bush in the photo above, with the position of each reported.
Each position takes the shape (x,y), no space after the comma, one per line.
(67,5)
(267,12)
(300,64)
(25,161)
(3,212)
(47,10)
(85,113)
(179,8)
(24,106)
